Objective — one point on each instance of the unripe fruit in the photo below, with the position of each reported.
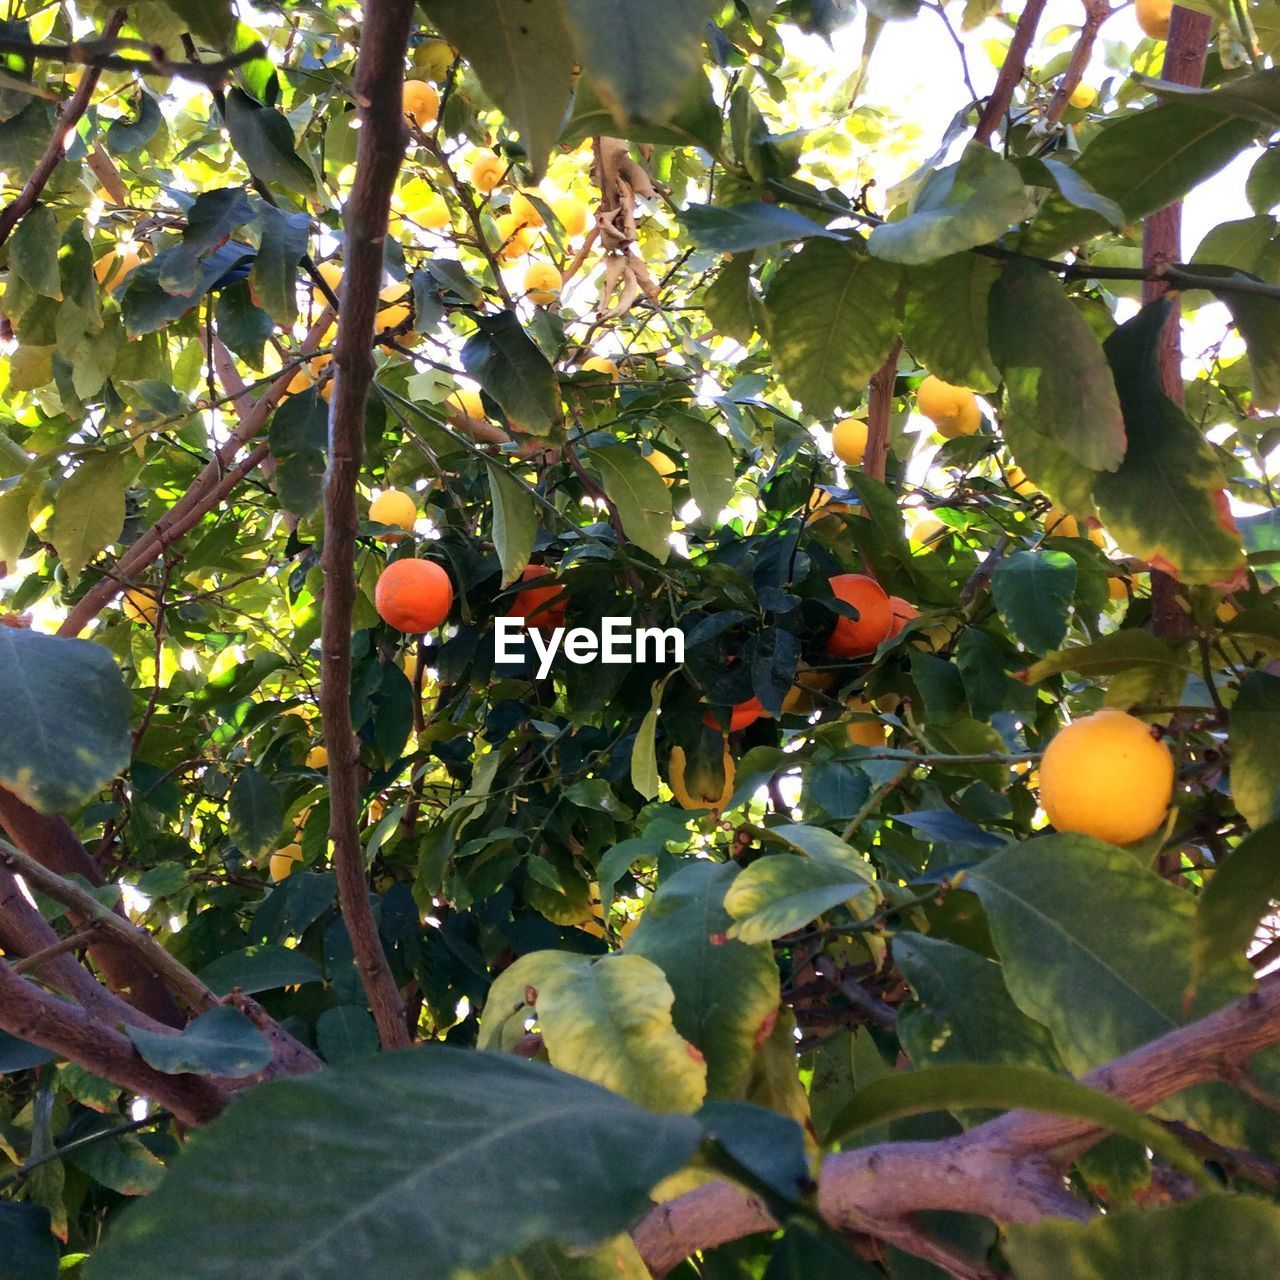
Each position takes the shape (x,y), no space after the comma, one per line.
(140,604)
(572,214)
(413,596)
(853,638)
(395,507)
(284,862)
(1083,96)
(742,715)
(953,410)
(1106,776)
(866,733)
(849,440)
(421,102)
(1153,17)
(600,364)
(434,57)
(1118,588)
(663,466)
(318,758)
(487,171)
(542,283)
(693,791)
(535,603)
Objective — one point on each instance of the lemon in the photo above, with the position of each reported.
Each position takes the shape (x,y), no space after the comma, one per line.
(486,171)
(469,402)
(600,364)
(317,758)
(1153,17)
(663,466)
(953,410)
(849,440)
(140,604)
(542,283)
(695,792)
(285,862)
(525,211)
(395,507)
(1106,776)
(572,214)
(112,267)
(421,102)
(1083,96)
(863,732)
(514,240)
(434,57)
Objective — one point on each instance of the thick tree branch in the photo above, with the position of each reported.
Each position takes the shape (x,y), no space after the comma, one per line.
(1000,1170)
(68,116)
(1011,70)
(70,1032)
(379,92)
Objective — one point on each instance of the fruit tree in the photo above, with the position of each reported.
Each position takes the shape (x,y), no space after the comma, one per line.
(901,377)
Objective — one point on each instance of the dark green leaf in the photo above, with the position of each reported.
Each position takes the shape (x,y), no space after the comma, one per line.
(1255,768)
(88,512)
(731,301)
(255,969)
(768,1145)
(33,252)
(1033,591)
(345,1032)
(21,1055)
(696,122)
(507,364)
(1238,896)
(210,221)
(515,522)
(738,227)
(222,1042)
(945,320)
(275,270)
(643,501)
(125,136)
(257,813)
(1258,320)
(242,325)
(710,462)
(28,1250)
(264,140)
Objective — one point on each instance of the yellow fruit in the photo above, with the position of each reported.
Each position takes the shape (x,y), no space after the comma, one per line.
(1225,611)
(434,57)
(424,205)
(409,665)
(395,507)
(696,795)
(421,102)
(799,698)
(849,440)
(309,375)
(111,268)
(317,758)
(140,604)
(285,862)
(469,402)
(525,211)
(514,240)
(663,466)
(487,171)
(953,410)
(926,531)
(1106,776)
(1118,588)
(1083,96)
(1059,524)
(331,274)
(394,309)
(572,214)
(600,364)
(866,733)
(542,283)
(1153,17)
(1019,483)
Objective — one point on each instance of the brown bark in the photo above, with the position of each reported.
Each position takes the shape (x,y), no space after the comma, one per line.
(1096,12)
(383,137)
(1015,63)
(880,414)
(1001,1170)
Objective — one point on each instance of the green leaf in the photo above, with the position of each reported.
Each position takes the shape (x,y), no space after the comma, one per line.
(1226,1237)
(607,1019)
(696,122)
(738,227)
(1255,770)
(274,275)
(72,702)
(643,501)
(444,1188)
(1033,591)
(1238,895)
(779,894)
(88,512)
(507,364)
(124,136)
(261,968)
(122,1163)
(1191,142)
(242,325)
(221,1042)
(617,1260)
(1057,379)
(644,754)
(15,523)
(731,301)
(33,252)
(1072,187)
(971,202)
(1166,503)
(1258,320)
(211,20)
(523,55)
(210,222)
(945,324)
(641,55)
(1120,651)
(913,1093)
(515,522)
(710,461)
(263,138)
(28,1250)
(823,846)
(257,813)
(1262,186)
(804,1253)
(1255,97)
(726,991)
(834,319)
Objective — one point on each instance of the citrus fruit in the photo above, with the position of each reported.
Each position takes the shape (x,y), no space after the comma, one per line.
(542,283)
(468,402)
(1105,775)
(112,267)
(525,211)
(514,240)
(663,466)
(572,214)
(421,102)
(284,862)
(140,604)
(600,364)
(394,507)
(1083,96)
(487,171)
(799,699)
(849,440)
(413,595)
(953,410)
(852,637)
(693,790)
(866,732)
(535,604)
(1019,483)
(1153,17)
(743,714)
(434,57)
(903,612)
(318,758)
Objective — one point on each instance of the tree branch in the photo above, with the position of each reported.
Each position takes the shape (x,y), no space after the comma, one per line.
(880,414)
(379,91)
(1096,12)
(1015,63)
(68,116)
(104,53)
(1000,1169)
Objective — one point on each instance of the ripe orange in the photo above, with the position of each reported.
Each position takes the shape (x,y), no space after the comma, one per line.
(1153,17)
(852,638)
(849,440)
(486,171)
(413,595)
(663,466)
(284,862)
(600,364)
(534,604)
(866,732)
(572,213)
(743,714)
(318,758)
(140,604)
(800,699)
(525,211)
(903,612)
(1105,775)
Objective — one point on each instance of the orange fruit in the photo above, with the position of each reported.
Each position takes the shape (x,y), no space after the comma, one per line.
(1105,775)
(663,466)
(525,211)
(112,267)
(542,283)
(866,732)
(852,638)
(413,595)
(1153,17)
(743,714)
(487,170)
(514,240)
(395,508)
(849,440)
(903,612)
(421,102)
(317,758)
(800,699)
(140,604)
(534,604)
(600,364)
(572,213)
(693,791)
(285,861)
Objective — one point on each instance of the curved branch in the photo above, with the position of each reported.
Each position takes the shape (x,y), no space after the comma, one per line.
(384,135)
(1096,12)
(1015,63)
(1001,1169)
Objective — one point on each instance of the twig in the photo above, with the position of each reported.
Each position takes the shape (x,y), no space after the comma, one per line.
(384,136)
(1015,63)
(102,55)
(159,1116)
(37,959)
(1096,12)
(70,113)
